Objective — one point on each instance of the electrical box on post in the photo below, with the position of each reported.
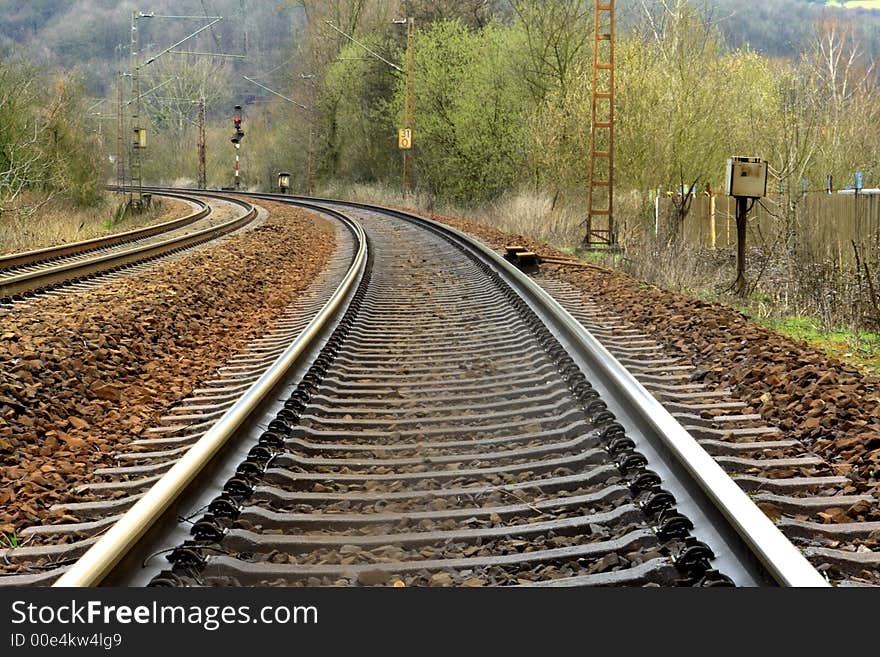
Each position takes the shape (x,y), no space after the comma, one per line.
(746,177)
(283,182)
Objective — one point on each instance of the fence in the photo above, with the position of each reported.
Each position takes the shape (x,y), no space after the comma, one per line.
(822,225)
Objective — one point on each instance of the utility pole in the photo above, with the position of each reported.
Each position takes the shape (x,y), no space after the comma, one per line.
(138,137)
(310,168)
(134,169)
(120,163)
(202,145)
(409,109)
(600,200)
(138,133)
(405,134)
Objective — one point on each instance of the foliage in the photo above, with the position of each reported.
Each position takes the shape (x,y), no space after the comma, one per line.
(93,35)
(11,540)
(685,104)
(469,111)
(503,91)
(44,144)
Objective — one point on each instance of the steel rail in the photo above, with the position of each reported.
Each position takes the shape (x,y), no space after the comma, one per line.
(113,546)
(38,256)
(718,498)
(32,280)
(782,560)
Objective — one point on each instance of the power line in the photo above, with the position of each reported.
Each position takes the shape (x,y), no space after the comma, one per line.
(372,52)
(272,91)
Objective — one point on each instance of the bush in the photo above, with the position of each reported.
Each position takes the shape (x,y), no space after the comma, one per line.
(44,142)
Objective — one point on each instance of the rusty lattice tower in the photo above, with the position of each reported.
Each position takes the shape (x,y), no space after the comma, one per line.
(600,219)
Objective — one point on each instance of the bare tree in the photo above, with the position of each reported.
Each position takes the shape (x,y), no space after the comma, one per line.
(185,82)
(557,34)
(844,89)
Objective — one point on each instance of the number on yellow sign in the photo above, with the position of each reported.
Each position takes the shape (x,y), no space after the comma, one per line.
(404,138)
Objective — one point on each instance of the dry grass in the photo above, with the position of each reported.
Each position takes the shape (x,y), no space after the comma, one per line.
(33,225)
(523,213)
(793,290)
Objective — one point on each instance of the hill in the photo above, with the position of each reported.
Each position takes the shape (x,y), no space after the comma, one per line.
(782,28)
(93,35)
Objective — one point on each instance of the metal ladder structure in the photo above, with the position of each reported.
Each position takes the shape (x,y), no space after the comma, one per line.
(600,229)
(135,198)
(120,129)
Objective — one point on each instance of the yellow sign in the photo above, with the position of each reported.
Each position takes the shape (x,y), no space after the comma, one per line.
(140,138)
(404,139)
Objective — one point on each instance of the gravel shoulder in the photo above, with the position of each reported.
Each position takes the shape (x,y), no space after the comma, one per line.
(831,406)
(83,374)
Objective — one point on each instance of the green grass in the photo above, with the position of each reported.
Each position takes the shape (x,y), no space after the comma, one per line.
(9,540)
(861,348)
(606,258)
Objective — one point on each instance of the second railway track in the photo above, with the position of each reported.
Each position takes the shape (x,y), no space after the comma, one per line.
(456,427)
(46,270)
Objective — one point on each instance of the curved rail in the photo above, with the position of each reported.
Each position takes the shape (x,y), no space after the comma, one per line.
(715,489)
(51,275)
(38,256)
(725,516)
(717,497)
(112,547)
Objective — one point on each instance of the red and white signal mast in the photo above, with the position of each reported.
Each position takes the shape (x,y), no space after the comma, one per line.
(236,140)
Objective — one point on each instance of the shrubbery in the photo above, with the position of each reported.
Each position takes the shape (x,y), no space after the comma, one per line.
(45,146)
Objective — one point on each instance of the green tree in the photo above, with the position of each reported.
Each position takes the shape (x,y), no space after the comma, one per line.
(469,128)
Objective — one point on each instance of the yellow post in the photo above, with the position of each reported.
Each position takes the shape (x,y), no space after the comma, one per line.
(712,219)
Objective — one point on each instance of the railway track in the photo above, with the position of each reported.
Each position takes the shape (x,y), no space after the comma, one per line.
(439,420)
(47,271)
(788,480)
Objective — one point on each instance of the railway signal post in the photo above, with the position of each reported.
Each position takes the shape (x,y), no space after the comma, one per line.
(236,141)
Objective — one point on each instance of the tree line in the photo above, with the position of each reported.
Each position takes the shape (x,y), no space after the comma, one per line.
(503,99)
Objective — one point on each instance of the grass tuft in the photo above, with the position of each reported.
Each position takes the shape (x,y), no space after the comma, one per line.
(10,540)
(859,347)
